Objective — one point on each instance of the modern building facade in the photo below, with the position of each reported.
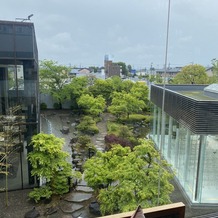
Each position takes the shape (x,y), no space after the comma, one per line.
(185,130)
(19,102)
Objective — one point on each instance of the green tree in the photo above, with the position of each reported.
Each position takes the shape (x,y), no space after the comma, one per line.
(48,161)
(117,83)
(93,105)
(127,85)
(191,74)
(140,91)
(102,87)
(129,67)
(76,88)
(125,104)
(124,69)
(123,179)
(53,78)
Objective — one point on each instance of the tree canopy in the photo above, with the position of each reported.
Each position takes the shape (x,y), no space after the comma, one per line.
(48,161)
(93,105)
(125,104)
(53,78)
(124,69)
(123,179)
(191,74)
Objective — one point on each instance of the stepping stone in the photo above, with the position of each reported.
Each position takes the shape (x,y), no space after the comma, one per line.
(66,216)
(84,189)
(70,208)
(78,197)
(82,183)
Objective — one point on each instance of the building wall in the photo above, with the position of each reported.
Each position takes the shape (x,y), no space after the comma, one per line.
(111,69)
(18,89)
(193,157)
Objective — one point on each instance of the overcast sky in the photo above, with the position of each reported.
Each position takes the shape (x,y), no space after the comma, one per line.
(81,32)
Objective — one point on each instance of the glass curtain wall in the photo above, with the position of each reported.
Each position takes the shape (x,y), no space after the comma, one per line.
(193,157)
(18,112)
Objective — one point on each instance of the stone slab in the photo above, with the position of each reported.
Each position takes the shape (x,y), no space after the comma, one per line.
(78,197)
(70,207)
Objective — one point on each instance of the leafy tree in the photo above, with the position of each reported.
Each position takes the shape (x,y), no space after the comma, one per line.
(124,69)
(123,179)
(127,85)
(102,87)
(140,91)
(48,161)
(53,78)
(117,83)
(124,104)
(95,69)
(129,67)
(156,78)
(93,105)
(76,88)
(214,78)
(88,126)
(191,74)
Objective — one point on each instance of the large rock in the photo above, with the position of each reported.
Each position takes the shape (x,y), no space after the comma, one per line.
(32,213)
(65,130)
(94,208)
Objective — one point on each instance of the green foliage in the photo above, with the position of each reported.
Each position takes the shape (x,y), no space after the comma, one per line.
(53,78)
(88,125)
(49,161)
(102,87)
(76,88)
(156,79)
(127,85)
(113,128)
(43,192)
(57,106)
(134,118)
(140,91)
(124,69)
(124,104)
(191,74)
(43,106)
(123,179)
(93,105)
(84,139)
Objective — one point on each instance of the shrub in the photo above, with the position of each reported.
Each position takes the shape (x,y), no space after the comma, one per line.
(40,193)
(112,139)
(113,128)
(84,140)
(43,106)
(57,106)
(88,126)
(137,118)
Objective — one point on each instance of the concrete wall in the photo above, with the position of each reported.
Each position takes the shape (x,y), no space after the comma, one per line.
(46,98)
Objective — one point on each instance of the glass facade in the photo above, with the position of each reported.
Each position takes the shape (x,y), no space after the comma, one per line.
(19,106)
(193,157)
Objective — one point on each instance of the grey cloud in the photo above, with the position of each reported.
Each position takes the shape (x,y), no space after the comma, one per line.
(134,31)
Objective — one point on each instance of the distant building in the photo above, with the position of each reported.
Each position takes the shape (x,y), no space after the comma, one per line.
(111,69)
(170,72)
(19,102)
